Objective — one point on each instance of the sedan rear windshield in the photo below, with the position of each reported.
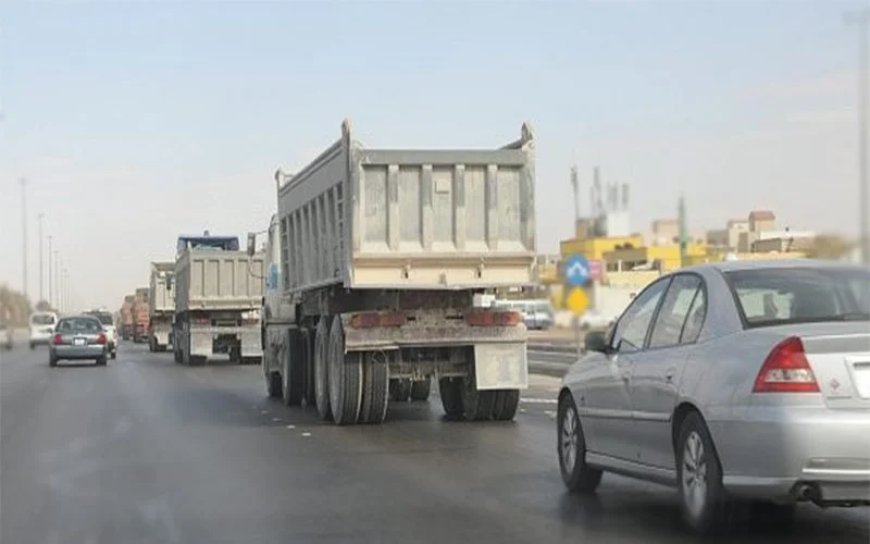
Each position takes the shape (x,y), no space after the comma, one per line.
(779,296)
(79,324)
(104,317)
(42,319)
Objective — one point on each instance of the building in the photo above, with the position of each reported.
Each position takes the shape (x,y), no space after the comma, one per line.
(665,231)
(595,248)
(660,258)
(728,238)
(761,220)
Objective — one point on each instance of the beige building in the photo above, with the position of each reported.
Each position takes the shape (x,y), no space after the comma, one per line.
(665,232)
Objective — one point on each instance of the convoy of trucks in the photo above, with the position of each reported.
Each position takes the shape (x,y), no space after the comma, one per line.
(372,284)
(125,318)
(141,312)
(218,290)
(162,305)
(374,260)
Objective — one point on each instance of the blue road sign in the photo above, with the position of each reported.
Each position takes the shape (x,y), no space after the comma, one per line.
(576,270)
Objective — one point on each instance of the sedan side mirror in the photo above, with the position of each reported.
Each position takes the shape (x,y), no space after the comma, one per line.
(597,341)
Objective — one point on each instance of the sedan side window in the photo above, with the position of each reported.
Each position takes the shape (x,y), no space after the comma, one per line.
(676,308)
(631,330)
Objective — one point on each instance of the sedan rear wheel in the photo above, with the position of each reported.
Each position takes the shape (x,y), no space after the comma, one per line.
(577,475)
(699,477)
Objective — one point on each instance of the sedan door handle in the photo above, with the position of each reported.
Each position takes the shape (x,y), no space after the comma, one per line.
(669,374)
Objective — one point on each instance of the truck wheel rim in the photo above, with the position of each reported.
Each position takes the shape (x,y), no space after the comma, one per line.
(568,439)
(694,479)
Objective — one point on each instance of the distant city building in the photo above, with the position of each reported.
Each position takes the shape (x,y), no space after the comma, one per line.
(665,231)
(761,220)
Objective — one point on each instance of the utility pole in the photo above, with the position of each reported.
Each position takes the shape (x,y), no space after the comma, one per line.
(50,294)
(41,281)
(60,284)
(575,183)
(24,235)
(861,19)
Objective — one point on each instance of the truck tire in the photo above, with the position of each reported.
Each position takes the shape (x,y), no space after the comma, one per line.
(476,405)
(345,377)
(321,374)
(291,369)
(306,359)
(400,389)
(420,390)
(506,403)
(375,388)
(451,397)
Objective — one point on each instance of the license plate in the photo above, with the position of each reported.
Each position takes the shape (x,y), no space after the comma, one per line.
(861,375)
(79,342)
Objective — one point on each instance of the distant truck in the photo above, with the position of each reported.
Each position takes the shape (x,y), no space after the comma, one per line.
(141,314)
(162,306)
(375,260)
(125,318)
(218,289)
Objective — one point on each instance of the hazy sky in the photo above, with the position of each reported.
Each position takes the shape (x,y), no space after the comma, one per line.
(134,122)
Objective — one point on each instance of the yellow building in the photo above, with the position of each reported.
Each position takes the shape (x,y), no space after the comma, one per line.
(667,257)
(595,248)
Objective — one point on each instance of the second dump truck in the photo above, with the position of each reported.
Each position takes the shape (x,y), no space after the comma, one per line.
(162,306)
(375,258)
(141,314)
(218,289)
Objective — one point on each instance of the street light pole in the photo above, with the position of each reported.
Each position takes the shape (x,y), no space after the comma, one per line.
(24,234)
(41,280)
(50,294)
(862,20)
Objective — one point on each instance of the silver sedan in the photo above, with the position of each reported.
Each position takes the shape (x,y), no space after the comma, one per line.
(76,338)
(735,381)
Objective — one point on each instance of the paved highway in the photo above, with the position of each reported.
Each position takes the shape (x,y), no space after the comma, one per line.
(148,451)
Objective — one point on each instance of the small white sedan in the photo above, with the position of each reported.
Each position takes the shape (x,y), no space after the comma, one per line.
(741,380)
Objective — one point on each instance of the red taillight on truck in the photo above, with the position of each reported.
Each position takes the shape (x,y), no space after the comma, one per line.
(57,339)
(101,339)
(786,370)
(488,318)
(369,320)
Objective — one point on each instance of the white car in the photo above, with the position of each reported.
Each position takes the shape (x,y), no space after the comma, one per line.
(41,328)
(594,319)
(107,321)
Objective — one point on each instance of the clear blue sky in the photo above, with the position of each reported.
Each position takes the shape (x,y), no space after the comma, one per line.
(136,121)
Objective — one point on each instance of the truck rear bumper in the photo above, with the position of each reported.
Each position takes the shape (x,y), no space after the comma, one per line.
(202,339)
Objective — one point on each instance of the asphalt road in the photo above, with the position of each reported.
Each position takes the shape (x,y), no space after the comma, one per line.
(145,450)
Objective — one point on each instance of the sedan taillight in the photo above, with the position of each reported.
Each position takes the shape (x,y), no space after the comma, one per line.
(57,340)
(786,370)
(101,339)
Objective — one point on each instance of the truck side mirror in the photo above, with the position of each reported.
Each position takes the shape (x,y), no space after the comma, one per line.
(252,244)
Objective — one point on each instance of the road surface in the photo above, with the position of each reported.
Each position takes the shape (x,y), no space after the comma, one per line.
(145,450)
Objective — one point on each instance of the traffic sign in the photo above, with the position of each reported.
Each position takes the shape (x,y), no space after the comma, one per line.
(576,270)
(577,300)
(596,269)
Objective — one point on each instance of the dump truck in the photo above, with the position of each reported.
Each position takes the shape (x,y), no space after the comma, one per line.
(125,317)
(141,311)
(375,260)
(218,293)
(162,305)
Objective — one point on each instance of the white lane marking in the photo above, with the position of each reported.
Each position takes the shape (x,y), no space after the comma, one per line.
(539,401)
(550,413)
(291,426)
(276,419)
(264,412)
(306,434)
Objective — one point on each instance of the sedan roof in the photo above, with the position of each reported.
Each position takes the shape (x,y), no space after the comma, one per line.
(731,266)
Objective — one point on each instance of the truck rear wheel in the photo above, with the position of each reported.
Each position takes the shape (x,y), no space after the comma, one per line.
(345,373)
(420,389)
(321,375)
(400,389)
(291,369)
(451,397)
(506,403)
(375,387)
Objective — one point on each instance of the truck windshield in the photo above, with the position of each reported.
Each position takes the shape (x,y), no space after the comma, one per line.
(774,296)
